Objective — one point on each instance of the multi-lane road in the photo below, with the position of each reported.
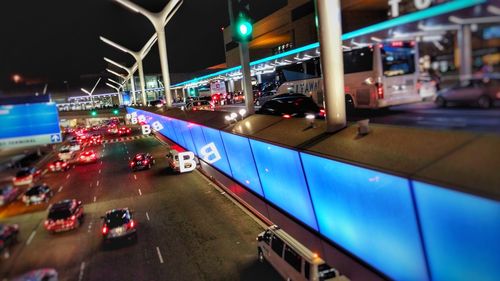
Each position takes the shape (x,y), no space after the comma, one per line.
(187,229)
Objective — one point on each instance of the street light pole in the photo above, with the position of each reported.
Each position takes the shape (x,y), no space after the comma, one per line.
(138,56)
(120,100)
(130,71)
(91,92)
(159,20)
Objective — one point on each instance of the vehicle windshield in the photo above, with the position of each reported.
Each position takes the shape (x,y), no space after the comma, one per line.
(23,173)
(64,150)
(117,218)
(59,214)
(34,191)
(398,60)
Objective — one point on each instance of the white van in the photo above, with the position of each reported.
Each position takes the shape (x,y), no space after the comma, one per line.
(173,160)
(292,259)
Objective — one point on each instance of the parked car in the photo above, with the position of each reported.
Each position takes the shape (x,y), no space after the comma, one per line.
(59,165)
(44,274)
(8,193)
(64,215)
(199,105)
(27,176)
(8,235)
(142,161)
(37,194)
(291,105)
(118,223)
(480,92)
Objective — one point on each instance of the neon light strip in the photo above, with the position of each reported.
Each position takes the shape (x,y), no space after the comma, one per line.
(441,9)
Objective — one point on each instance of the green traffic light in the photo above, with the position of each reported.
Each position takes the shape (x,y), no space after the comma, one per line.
(245,28)
(115,111)
(93,113)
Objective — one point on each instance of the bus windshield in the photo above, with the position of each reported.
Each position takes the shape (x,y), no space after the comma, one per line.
(398,60)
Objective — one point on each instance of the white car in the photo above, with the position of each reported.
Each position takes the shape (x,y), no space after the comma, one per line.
(66,154)
(74,146)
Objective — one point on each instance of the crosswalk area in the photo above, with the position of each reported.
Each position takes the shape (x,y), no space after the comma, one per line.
(124,139)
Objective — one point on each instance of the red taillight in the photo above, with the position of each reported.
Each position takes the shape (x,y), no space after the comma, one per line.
(65,164)
(104,230)
(73,217)
(47,222)
(322,112)
(380,91)
(132,163)
(82,157)
(287,116)
(131,224)
(146,161)
(51,165)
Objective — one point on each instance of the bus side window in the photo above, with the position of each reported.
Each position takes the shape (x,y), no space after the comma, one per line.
(307,269)
(277,245)
(292,258)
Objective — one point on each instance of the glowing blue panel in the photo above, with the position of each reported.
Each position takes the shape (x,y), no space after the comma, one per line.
(187,136)
(241,161)
(198,137)
(167,131)
(177,125)
(368,213)
(283,180)
(173,130)
(461,233)
(213,136)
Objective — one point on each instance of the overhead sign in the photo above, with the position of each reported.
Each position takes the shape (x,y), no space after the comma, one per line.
(218,87)
(29,125)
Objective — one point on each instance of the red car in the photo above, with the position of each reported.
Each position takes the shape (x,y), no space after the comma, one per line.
(59,166)
(27,176)
(94,140)
(124,131)
(88,157)
(64,215)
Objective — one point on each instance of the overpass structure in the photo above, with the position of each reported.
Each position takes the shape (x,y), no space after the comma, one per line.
(400,203)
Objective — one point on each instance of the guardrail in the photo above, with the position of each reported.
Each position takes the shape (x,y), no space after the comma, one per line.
(404,229)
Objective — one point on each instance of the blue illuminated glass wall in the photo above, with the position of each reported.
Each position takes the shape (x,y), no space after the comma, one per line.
(405,229)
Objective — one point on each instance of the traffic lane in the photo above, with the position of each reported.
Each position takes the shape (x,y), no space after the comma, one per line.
(198,234)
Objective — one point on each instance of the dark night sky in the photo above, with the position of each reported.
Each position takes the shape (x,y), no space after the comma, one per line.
(58,40)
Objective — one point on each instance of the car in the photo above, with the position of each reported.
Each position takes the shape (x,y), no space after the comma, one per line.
(65,153)
(426,86)
(8,235)
(173,161)
(74,145)
(264,97)
(112,129)
(118,223)
(124,131)
(37,194)
(142,161)
(199,105)
(8,193)
(94,139)
(480,92)
(27,176)
(64,215)
(44,274)
(291,105)
(88,156)
(59,166)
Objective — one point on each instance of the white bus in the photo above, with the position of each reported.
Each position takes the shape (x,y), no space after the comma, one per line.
(377,76)
(292,259)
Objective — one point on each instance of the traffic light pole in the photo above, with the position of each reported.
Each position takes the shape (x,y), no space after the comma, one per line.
(330,38)
(247,77)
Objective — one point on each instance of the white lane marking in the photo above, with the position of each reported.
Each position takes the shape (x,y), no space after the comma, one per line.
(90,184)
(30,238)
(95,199)
(60,189)
(82,268)
(99,171)
(101,162)
(147,216)
(90,227)
(97,183)
(6,254)
(140,193)
(67,177)
(159,254)
(135,177)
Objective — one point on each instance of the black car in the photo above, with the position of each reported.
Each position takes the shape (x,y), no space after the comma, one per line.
(142,161)
(118,223)
(37,194)
(64,215)
(291,105)
(8,235)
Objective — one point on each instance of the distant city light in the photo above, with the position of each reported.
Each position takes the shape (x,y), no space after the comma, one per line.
(17,78)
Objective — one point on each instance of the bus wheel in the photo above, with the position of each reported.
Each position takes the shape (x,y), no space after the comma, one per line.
(440,101)
(349,103)
(261,255)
